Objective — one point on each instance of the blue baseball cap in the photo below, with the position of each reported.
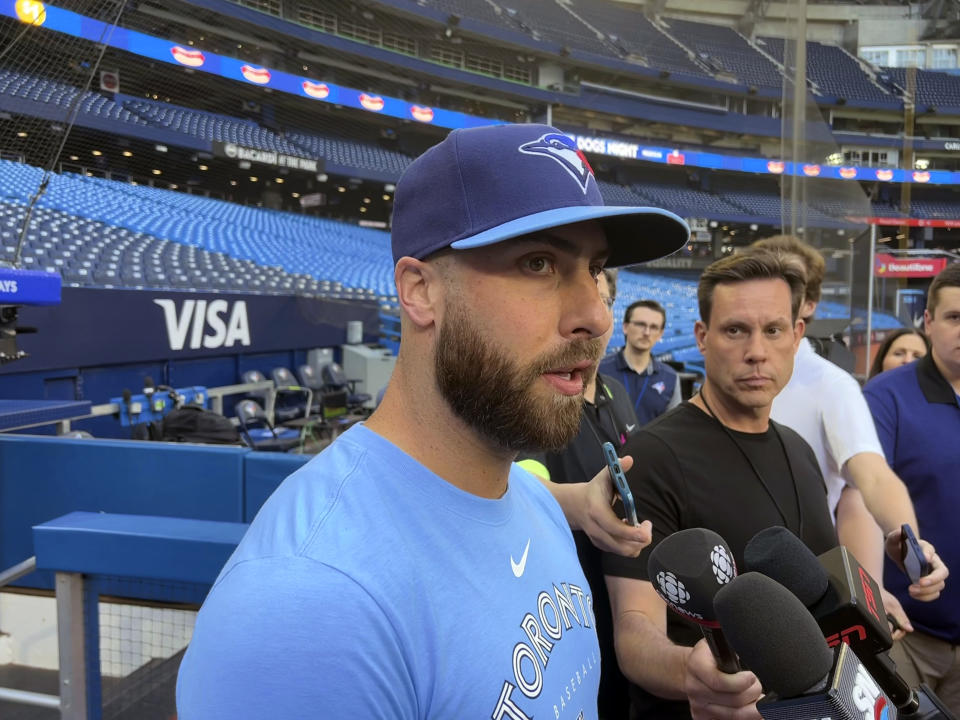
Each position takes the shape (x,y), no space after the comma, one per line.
(484,185)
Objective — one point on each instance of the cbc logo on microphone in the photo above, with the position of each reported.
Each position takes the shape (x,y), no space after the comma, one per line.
(723,568)
(671,588)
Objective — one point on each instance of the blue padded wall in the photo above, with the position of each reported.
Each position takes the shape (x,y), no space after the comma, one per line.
(263,473)
(43,478)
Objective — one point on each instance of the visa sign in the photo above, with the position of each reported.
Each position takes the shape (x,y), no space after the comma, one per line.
(205,323)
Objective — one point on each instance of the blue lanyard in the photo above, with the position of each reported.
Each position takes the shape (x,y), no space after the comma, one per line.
(643,389)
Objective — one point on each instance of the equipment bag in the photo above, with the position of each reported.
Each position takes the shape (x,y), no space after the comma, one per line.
(192,423)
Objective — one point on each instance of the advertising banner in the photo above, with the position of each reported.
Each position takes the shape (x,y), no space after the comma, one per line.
(94,327)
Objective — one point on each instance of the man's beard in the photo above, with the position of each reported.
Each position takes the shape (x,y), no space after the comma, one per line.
(497,398)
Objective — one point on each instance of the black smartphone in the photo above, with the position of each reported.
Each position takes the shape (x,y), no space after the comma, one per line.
(620,480)
(914,561)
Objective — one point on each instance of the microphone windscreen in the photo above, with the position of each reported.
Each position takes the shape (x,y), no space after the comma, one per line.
(779,554)
(774,634)
(687,568)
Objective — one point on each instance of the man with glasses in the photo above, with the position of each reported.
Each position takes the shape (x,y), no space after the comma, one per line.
(653,386)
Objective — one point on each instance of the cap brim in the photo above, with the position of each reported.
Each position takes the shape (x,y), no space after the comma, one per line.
(634,234)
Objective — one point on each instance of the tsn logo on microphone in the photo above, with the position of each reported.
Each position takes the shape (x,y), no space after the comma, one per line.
(868,699)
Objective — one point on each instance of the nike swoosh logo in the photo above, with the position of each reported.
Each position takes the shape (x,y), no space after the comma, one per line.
(630,428)
(518,567)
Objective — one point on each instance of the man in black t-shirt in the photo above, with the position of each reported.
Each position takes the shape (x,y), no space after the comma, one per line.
(719,462)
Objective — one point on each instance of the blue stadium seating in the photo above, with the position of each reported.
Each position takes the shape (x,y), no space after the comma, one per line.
(555,22)
(29,87)
(203,125)
(210,126)
(935,89)
(637,37)
(107,233)
(833,71)
(726,50)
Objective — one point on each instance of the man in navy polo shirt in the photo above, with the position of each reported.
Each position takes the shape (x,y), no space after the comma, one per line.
(653,386)
(917,412)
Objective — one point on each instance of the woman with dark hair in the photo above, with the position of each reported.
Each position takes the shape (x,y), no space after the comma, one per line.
(902,346)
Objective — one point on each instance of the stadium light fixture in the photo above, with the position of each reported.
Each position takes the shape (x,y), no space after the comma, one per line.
(21,134)
(366,201)
(74,157)
(127,153)
(754,227)
(363,209)
(294,195)
(278,180)
(202,167)
(921,163)
(96,153)
(253,178)
(322,177)
(157,171)
(233,182)
(160,148)
(386,197)
(341,188)
(389,187)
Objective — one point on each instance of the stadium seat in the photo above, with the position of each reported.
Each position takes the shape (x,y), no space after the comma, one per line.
(334,380)
(259,434)
(291,402)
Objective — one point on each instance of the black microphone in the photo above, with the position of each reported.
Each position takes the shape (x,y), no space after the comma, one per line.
(687,569)
(779,640)
(846,603)
(839,593)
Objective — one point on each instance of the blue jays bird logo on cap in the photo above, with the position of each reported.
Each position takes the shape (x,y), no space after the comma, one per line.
(564,151)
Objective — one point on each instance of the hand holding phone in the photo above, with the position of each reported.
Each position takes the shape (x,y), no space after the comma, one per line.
(914,561)
(620,480)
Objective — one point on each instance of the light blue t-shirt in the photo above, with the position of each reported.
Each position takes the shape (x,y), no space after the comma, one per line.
(369,587)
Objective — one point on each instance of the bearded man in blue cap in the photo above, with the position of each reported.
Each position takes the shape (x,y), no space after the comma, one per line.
(411,570)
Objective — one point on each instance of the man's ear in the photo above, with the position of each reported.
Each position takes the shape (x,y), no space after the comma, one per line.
(418,290)
(700,332)
(927,319)
(799,330)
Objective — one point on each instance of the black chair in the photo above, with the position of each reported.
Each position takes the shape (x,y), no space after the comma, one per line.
(283,378)
(291,402)
(334,379)
(331,402)
(259,434)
